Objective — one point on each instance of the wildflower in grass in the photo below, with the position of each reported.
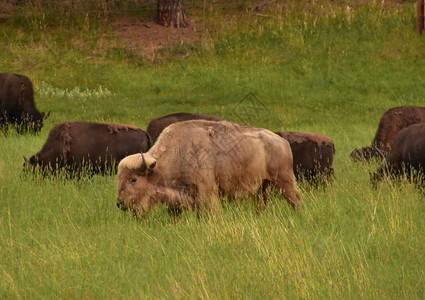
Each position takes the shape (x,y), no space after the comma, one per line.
(46,90)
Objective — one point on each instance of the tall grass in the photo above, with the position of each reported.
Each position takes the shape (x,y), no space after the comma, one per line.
(318,68)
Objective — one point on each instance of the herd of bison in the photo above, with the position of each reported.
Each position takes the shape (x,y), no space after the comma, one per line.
(188,161)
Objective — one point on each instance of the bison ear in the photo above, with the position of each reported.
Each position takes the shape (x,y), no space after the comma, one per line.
(150,161)
(152,165)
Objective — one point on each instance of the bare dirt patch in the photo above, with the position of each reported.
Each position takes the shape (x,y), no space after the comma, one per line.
(146,37)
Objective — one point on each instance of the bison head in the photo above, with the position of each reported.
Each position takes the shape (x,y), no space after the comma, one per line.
(43,164)
(39,122)
(33,122)
(32,164)
(367,153)
(134,190)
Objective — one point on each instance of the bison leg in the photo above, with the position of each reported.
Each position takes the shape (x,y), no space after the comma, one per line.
(262,199)
(207,200)
(175,212)
(382,172)
(4,127)
(329,175)
(287,185)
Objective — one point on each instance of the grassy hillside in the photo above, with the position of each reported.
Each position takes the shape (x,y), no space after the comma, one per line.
(322,67)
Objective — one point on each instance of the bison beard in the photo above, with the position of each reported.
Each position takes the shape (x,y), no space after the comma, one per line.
(194,163)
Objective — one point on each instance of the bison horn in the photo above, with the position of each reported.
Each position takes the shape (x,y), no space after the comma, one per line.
(143,166)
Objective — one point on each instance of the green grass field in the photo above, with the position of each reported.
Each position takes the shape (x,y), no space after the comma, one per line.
(320,68)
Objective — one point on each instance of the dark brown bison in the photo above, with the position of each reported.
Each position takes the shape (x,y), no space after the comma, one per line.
(156,126)
(90,147)
(391,122)
(17,105)
(194,162)
(313,155)
(406,157)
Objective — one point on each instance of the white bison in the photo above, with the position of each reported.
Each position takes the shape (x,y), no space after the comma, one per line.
(195,162)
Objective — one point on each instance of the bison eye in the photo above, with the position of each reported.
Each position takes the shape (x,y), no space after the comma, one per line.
(133,180)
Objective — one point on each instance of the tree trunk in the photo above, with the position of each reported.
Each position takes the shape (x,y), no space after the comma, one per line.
(420,16)
(171,13)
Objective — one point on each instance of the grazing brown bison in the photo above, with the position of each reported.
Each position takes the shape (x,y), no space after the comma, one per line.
(156,126)
(391,122)
(407,155)
(313,155)
(194,162)
(17,105)
(90,147)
